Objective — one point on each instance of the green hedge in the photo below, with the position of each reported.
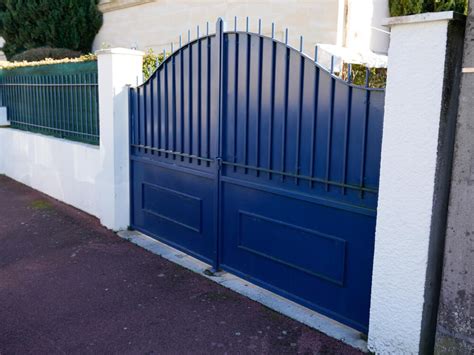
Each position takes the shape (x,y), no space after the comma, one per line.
(411,7)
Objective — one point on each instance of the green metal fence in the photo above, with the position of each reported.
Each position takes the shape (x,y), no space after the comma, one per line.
(59,100)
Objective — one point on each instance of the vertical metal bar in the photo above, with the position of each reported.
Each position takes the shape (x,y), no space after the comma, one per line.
(190,108)
(236,101)
(247,90)
(315,120)
(330,124)
(159,101)
(166,99)
(272,105)
(259,113)
(286,36)
(235,23)
(346,128)
(199,103)
(285,117)
(181,86)
(173,75)
(207,28)
(247,25)
(260,26)
(208,98)
(364,133)
(300,115)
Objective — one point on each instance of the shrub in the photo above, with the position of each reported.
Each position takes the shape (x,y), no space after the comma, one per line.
(411,7)
(150,62)
(37,54)
(30,24)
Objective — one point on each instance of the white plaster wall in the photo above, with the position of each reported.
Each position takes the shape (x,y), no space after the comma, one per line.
(409,153)
(158,23)
(62,169)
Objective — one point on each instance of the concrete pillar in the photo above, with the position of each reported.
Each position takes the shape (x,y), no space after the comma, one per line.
(455,331)
(118,68)
(419,123)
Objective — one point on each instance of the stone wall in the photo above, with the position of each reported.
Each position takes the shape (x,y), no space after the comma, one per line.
(455,334)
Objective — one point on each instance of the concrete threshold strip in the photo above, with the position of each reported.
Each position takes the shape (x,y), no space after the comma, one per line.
(269,299)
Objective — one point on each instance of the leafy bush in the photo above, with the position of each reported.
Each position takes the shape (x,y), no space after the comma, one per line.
(411,7)
(30,24)
(150,62)
(377,76)
(37,54)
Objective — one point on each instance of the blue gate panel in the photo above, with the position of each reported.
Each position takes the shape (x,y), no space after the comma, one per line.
(175,206)
(315,254)
(248,155)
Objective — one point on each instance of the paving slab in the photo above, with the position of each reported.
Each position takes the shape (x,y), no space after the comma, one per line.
(68,285)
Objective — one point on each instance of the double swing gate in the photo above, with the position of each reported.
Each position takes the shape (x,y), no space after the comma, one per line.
(250,156)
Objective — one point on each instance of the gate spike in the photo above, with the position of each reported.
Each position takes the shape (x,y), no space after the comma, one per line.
(164,54)
(197,31)
(332,64)
(286,36)
(273,30)
(367,76)
(207,28)
(247,24)
(235,23)
(259,26)
(180,41)
(316,50)
(349,73)
(301,43)
(172,48)
(189,36)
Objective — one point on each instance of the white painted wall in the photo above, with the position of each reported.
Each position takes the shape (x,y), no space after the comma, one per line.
(155,24)
(62,169)
(407,181)
(93,179)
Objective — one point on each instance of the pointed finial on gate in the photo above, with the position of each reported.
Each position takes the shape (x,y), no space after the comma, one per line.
(273,30)
(316,50)
(286,36)
(259,26)
(235,23)
(172,48)
(349,73)
(247,27)
(301,43)
(332,64)
(197,32)
(164,54)
(189,36)
(220,25)
(180,41)
(207,28)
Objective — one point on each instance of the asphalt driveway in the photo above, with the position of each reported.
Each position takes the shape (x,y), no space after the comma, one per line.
(67,285)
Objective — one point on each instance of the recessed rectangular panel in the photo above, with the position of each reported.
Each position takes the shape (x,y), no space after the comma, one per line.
(322,256)
(173,206)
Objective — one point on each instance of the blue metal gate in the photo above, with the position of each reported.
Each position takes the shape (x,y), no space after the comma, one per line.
(250,156)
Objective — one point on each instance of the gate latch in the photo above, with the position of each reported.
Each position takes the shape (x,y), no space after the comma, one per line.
(219,163)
